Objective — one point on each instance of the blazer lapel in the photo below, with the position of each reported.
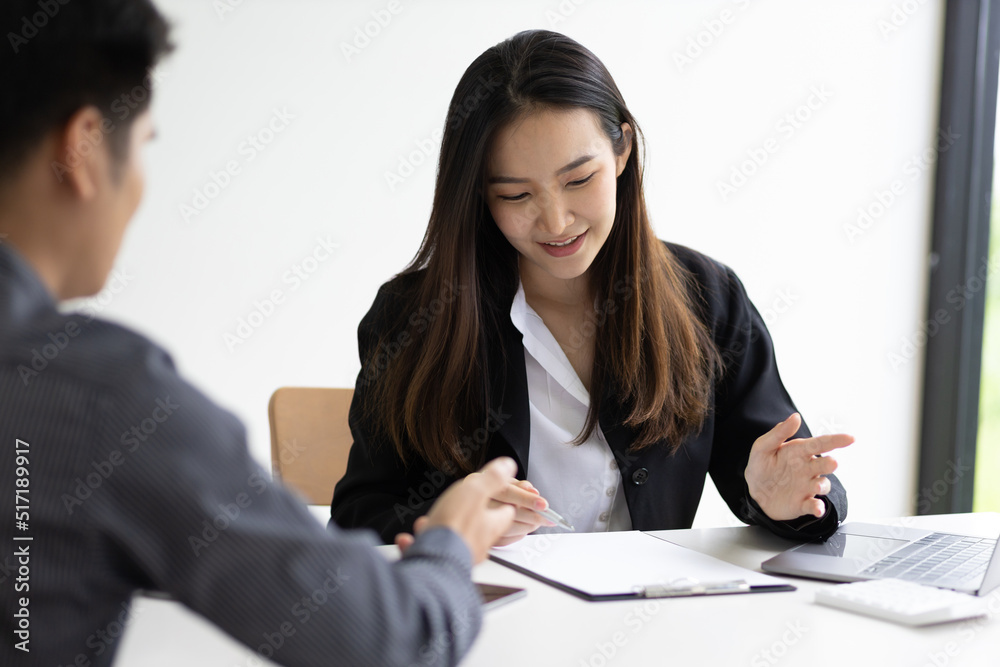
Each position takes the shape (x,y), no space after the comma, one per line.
(618,436)
(510,391)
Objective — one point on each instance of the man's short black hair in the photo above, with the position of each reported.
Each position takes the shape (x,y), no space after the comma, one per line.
(58,56)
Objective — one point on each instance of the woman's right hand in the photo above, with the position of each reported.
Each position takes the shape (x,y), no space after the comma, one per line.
(525,499)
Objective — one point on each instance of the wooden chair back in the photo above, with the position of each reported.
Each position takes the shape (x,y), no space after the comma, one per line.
(310,439)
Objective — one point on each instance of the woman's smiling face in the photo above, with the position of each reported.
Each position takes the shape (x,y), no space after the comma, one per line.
(551,186)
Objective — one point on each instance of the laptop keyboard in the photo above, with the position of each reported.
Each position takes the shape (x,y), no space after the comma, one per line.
(939,559)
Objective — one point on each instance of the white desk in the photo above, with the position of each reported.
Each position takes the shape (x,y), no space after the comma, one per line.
(553,628)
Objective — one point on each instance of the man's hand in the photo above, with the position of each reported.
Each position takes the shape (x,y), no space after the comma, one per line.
(784,476)
(467,508)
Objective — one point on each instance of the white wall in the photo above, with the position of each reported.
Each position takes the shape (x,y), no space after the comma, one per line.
(837,306)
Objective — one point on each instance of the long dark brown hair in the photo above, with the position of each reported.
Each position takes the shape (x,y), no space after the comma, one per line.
(651,352)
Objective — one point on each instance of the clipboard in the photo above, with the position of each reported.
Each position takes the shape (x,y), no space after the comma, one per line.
(600,567)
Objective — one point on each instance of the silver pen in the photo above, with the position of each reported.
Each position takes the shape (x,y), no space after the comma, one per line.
(554,517)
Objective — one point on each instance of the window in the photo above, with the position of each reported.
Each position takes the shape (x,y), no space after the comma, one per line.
(957,364)
(987,490)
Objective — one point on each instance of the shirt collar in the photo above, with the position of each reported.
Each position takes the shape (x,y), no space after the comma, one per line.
(542,345)
(22,292)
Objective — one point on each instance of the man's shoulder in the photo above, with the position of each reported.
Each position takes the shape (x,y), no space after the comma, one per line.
(74,345)
(126,375)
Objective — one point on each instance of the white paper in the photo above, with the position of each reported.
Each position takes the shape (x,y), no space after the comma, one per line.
(616,563)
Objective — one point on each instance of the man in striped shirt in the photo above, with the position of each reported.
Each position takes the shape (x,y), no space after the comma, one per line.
(115,474)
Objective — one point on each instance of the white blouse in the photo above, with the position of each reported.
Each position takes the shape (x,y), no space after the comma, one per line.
(581,482)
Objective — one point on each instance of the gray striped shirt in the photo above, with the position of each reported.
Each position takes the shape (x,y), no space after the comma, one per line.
(117,476)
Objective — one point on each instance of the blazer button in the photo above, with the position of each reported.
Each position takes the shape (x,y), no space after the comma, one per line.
(640,476)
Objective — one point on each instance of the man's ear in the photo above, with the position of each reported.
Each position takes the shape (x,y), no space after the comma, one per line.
(82,152)
(621,160)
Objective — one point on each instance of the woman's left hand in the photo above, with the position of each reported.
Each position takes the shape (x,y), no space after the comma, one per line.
(784,476)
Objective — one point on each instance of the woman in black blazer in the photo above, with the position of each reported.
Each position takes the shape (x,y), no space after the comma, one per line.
(540,280)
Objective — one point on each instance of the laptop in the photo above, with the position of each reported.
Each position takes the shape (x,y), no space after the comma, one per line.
(860,551)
